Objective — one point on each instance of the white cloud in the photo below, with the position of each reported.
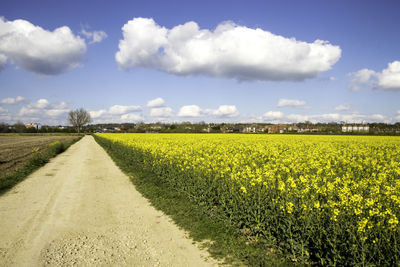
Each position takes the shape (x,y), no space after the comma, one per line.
(40,111)
(359,78)
(378,117)
(161,112)
(114,110)
(12,101)
(223,111)
(117,114)
(95,114)
(5,116)
(364,75)
(291,103)
(358,118)
(227,111)
(296,118)
(3,61)
(280,117)
(131,117)
(273,115)
(94,36)
(118,109)
(387,79)
(44,112)
(43,107)
(39,50)
(343,107)
(326,117)
(189,111)
(3,111)
(105,116)
(398,115)
(41,103)
(230,50)
(158,102)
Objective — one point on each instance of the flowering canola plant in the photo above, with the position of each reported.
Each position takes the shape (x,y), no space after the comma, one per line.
(333,200)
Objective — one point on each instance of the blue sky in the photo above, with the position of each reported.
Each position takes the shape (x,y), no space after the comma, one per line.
(213,61)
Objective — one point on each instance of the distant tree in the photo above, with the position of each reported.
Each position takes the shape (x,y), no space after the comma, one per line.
(78,118)
(19,127)
(4,127)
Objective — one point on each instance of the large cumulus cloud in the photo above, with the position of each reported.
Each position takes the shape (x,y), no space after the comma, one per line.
(38,50)
(230,50)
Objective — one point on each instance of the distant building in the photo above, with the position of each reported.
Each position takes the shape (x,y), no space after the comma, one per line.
(31,125)
(273,129)
(355,129)
(293,128)
(250,129)
(156,127)
(228,129)
(309,130)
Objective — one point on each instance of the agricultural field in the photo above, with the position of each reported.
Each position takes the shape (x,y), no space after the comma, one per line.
(328,200)
(15,150)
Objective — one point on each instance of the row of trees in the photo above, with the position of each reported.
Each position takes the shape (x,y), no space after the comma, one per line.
(80,117)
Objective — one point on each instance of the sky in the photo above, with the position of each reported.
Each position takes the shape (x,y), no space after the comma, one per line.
(214,61)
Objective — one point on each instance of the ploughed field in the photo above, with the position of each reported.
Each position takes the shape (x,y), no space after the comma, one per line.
(15,150)
(330,200)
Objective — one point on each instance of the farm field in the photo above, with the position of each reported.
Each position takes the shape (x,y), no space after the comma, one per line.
(330,200)
(15,150)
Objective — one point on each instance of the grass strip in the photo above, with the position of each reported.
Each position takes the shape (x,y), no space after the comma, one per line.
(37,160)
(210,228)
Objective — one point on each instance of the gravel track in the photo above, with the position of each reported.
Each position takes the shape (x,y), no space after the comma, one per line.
(80,209)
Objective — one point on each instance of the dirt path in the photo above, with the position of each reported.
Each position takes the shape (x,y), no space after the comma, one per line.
(80,209)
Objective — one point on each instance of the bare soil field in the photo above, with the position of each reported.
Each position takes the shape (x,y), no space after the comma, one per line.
(81,210)
(15,150)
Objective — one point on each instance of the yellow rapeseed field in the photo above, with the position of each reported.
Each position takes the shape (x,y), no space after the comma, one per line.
(333,200)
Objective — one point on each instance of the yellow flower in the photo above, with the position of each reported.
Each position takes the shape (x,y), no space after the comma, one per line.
(243,189)
(281,186)
(362,224)
(357,211)
(336,212)
(289,207)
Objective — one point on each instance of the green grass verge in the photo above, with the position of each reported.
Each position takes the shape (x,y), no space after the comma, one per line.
(37,160)
(223,241)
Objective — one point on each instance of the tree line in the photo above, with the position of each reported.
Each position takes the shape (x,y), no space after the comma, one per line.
(79,120)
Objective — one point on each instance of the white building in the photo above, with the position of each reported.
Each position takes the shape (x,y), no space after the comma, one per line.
(355,129)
